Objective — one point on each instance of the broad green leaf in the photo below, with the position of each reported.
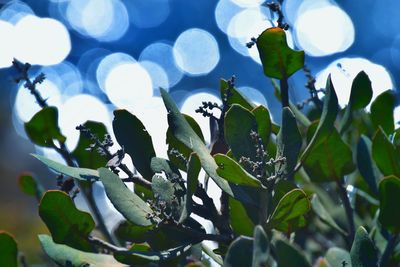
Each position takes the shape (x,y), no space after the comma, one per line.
(389,195)
(193,170)
(330,159)
(8,250)
(231,171)
(278,59)
(132,257)
(360,96)
(239,124)
(294,204)
(260,247)
(174,143)
(84,156)
(81,174)
(264,124)
(240,221)
(289,255)
(66,223)
(162,188)
(365,164)
(385,155)
(240,253)
(363,251)
(133,136)
(326,123)
(66,256)
(289,140)
(382,111)
(324,215)
(30,186)
(338,256)
(131,206)
(235,97)
(182,130)
(130,232)
(43,129)
(159,165)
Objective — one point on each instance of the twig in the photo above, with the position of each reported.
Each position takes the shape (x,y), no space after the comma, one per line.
(390,246)
(348,209)
(212,255)
(23,70)
(284,92)
(103,244)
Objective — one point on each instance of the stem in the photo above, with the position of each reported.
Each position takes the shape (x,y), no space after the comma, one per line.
(212,255)
(390,246)
(348,209)
(63,150)
(103,244)
(284,92)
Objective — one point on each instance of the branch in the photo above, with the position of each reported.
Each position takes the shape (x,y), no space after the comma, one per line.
(23,70)
(390,246)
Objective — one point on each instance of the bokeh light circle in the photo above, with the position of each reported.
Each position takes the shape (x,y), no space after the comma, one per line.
(196,51)
(7,44)
(324,30)
(49,41)
(128,84)
(162,54)
(344,70)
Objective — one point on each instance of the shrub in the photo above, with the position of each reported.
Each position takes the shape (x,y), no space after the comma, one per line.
(320,189)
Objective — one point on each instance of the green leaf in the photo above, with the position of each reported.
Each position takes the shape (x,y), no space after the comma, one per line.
(8,250)
(66,256)
(361,91)
(360,96)
(235,97)
(382,111)
(294,204)
(174,143)
(162,188)
(324,215)
(42,129)
(66,223)
(159,165)
(389,195)
(233,172)
(289,255)
(278,59)
(240,221)
(182,130)
(264,124)
(363,251)
(193,170)
(365,164)
(236,251)
(385,155)
(238,126)
(336,257)
(87,158)
(289,140)
(129,232)
(133,257)
(260,247)
(132,207)
(330,159)
(133,136)
(30,186)
(326,123)
(81,174)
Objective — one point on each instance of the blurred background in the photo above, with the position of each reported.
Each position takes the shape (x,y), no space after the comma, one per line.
(99,55)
